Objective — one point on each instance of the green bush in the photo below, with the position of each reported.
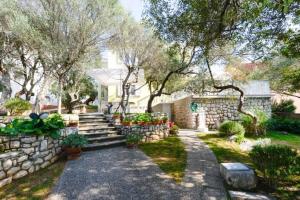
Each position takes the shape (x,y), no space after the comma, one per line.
(133,138)
(174,130)
(143,117)
(286,106)
(284,124)
(17,106)
(231,128)
(49,127)
(275,162)
(261,127)
(74,141)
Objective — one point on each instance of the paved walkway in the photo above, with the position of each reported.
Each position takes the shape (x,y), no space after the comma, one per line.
(128,174)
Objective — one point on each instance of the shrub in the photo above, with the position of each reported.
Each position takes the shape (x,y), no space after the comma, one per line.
(284,124)
(174,129)
(133,138)
(49,127)
(284,106)
(17,106)
(74,141)
(231,128)
(275,162)
(261,127)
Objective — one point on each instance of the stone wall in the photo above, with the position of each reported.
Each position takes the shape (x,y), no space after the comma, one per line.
(23,155)
(182,114)
(216,109)
(150,133)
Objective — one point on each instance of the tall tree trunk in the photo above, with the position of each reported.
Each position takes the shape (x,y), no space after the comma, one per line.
(5,81)
(124,90)
(149,103)
(60,89)
(40,94)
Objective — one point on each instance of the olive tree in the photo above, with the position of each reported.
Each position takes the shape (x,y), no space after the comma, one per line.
(135,46)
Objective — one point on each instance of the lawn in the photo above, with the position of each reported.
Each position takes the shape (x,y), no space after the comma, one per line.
(169,154)
(34,186)
(226,151)
(289,139)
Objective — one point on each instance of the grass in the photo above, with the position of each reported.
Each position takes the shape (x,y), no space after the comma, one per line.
(226,151)
(289,139)
(34,186)
(169,154)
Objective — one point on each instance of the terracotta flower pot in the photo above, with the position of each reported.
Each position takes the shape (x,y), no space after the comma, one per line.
(73,153)
(126,123)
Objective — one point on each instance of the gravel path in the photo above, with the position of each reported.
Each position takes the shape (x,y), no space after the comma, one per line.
(128,174)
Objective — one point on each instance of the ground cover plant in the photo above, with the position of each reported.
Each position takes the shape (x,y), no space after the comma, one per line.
(169,154)
(49,126)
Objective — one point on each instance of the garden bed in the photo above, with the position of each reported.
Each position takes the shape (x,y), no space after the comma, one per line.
(227,151)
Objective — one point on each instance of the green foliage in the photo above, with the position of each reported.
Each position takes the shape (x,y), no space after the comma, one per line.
(174,130)
(74,141)
(231,128)
(49,127)
(17,106)
(275,162)
(261,126)
(143,117)
(133,138)
(284,124)
(284,106)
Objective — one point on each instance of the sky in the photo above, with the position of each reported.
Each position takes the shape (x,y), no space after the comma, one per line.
(135,7)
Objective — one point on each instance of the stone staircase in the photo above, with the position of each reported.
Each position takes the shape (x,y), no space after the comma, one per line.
(99,134)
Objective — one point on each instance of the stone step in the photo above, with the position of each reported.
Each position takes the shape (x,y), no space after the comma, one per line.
(95,113)
(98,133)
(102,145)
(92,120)
(92,124)
(101,139)
(93,128)
(89,117)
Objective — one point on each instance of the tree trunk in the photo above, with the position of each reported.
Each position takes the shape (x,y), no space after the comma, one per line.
(6,92)
(149,104)
(60,89)
(39,96)
(241,98)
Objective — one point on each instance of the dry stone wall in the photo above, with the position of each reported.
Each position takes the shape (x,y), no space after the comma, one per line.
(150,133)
(23,155)
(216,110)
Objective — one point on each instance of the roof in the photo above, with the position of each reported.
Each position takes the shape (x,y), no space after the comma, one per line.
(254,88)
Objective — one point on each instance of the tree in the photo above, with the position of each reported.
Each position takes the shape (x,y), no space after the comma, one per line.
(163,75)
(135,46)
(202,25)
(79,88)
(71,31)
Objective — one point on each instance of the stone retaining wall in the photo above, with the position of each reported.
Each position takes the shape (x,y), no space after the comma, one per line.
(216,109)
(150,133)
(23,155)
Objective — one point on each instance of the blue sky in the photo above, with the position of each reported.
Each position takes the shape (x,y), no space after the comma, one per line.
(135,7)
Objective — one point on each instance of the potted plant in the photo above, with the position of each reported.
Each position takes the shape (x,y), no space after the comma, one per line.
(126,121)
(116,115)
(132,140)
(165,119)
(155,121)
(72,145)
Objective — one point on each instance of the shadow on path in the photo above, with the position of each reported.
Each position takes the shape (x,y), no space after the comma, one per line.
(128,174)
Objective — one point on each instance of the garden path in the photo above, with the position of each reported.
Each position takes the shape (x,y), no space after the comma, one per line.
(128,174)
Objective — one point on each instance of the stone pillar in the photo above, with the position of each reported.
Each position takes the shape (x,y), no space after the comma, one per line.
(201,121)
